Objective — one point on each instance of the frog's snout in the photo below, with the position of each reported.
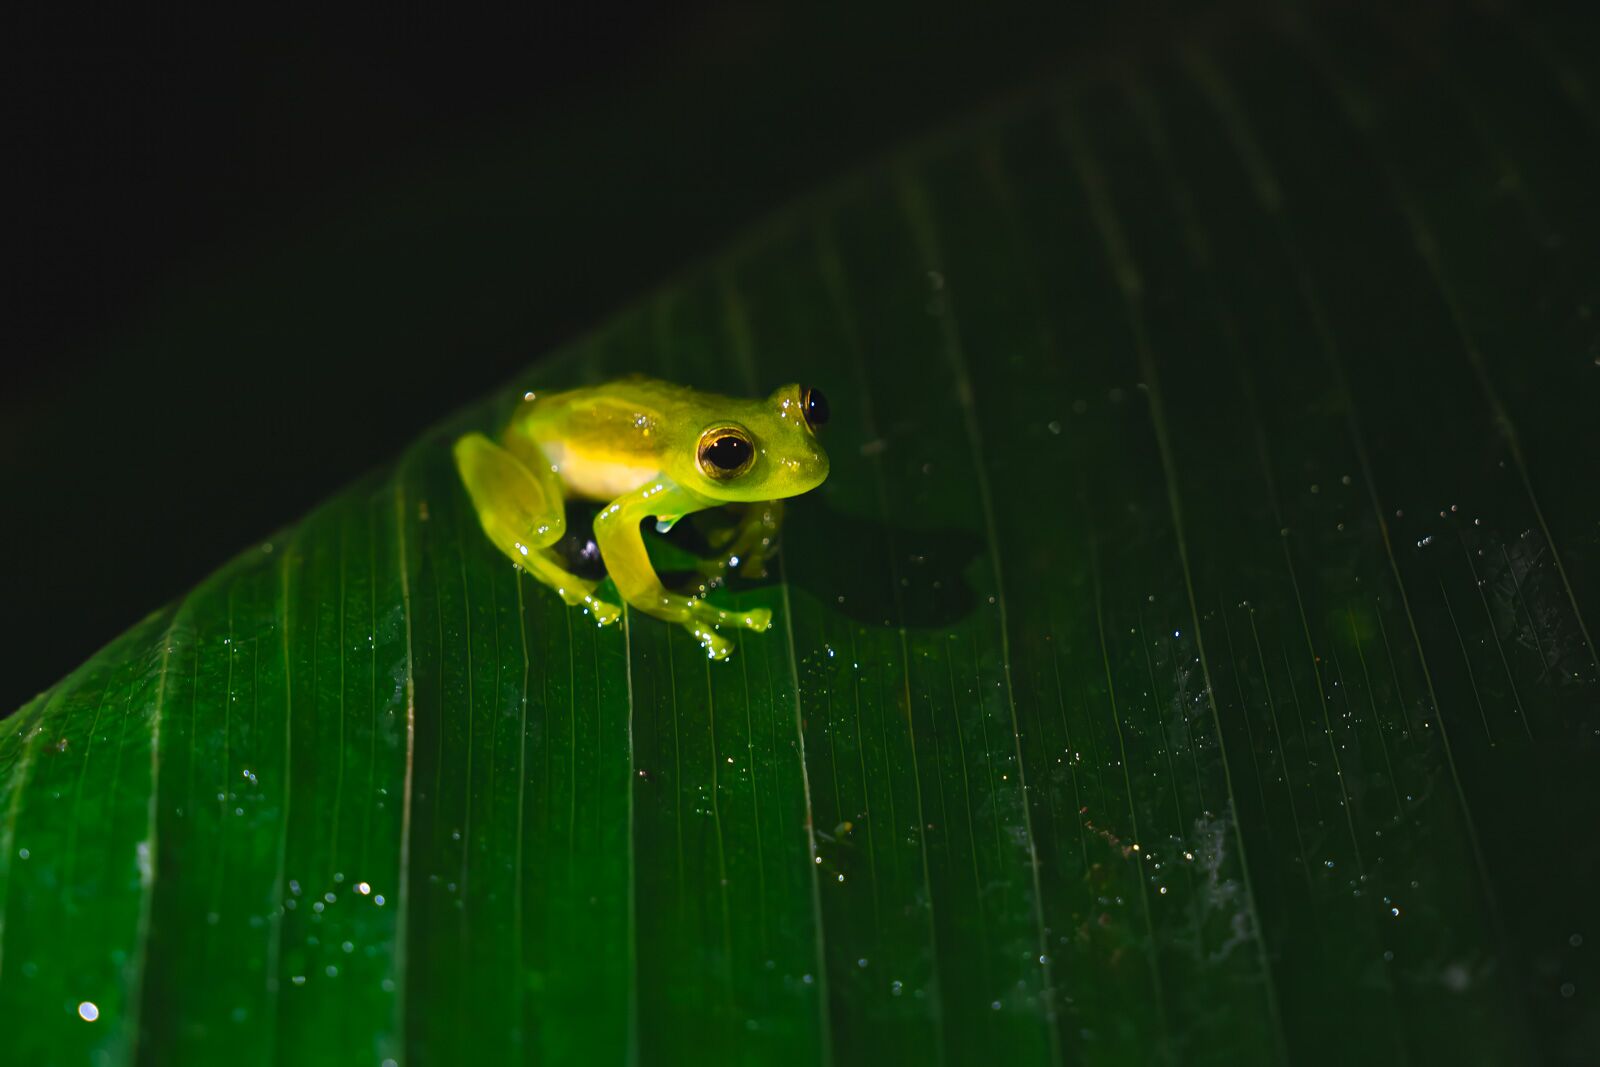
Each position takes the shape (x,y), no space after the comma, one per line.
(817,467)
(810,469)
(803,472)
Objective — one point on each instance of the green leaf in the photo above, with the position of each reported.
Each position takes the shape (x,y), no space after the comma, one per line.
(1187,660)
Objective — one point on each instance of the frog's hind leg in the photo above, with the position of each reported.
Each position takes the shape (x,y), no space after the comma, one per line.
(748,544)
(522,512)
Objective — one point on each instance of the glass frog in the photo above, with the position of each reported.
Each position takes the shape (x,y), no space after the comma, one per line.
(646,449)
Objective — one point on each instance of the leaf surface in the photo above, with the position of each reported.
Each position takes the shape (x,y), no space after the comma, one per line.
(1190,658)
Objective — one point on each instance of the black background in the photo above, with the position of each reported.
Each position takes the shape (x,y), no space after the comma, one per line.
(248,260)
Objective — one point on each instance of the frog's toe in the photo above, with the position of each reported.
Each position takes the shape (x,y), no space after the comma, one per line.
(757,619)
(717,647)
(706,613)
(604,613)
(753,567)
(712,568)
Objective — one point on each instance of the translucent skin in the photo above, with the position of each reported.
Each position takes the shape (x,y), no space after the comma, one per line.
(640,446)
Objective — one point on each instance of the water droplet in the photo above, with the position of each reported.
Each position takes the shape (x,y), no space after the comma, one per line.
(88,1012)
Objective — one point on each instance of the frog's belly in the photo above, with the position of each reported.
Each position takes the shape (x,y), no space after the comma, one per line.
(595,478)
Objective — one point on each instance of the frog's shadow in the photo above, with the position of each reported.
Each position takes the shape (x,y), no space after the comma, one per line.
(855,573)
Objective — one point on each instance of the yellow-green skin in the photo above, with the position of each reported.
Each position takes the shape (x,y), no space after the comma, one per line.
(635,445)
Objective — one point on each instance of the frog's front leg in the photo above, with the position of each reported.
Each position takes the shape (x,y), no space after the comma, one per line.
(616,531)
(521,509)
(748,543)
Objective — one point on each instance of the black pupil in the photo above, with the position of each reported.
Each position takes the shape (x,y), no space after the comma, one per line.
(816,406)
(728,453)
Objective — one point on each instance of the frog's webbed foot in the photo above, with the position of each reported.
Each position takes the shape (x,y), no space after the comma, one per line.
(577,592)
(717,646)
(702,619)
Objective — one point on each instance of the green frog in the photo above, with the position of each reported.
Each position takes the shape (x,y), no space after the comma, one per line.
(645,449)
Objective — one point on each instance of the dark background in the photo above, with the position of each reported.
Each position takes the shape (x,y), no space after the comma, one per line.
(250,260)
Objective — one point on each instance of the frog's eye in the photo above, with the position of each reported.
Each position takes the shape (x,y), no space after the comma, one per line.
(725,452)
(815,406)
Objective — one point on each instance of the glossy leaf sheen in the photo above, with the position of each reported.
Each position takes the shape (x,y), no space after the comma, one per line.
(1190,658)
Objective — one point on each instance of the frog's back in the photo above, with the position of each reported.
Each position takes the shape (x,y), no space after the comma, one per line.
(607,440)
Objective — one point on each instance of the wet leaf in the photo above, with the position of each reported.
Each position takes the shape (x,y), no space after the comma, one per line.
(1190,658)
